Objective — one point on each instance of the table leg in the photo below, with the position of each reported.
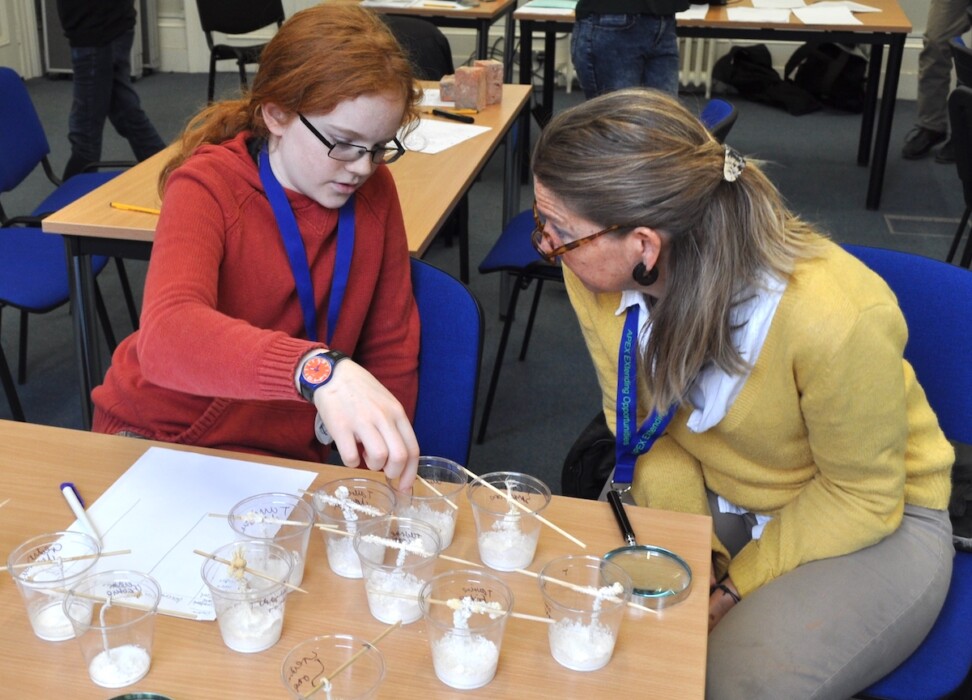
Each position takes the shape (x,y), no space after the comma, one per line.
(870,103)
(482,39)
(85,325)
(883,137)
(508,39)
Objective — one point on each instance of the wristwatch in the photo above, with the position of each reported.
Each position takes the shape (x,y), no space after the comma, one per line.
(317,370)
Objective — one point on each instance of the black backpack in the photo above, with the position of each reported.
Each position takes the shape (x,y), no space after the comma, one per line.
(832,73)
(749,69)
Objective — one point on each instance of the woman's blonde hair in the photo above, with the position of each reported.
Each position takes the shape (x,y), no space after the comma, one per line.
(319,58)
(637,157)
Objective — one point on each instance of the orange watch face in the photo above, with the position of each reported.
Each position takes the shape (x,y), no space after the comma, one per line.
(316,370)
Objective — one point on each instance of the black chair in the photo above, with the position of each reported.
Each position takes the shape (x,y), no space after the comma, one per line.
(236,17)
(425,45)
(513,253)
(960,118)
(962,58)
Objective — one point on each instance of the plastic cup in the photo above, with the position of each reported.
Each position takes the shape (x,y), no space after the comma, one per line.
(507,536)
(44,573)
(397,558)
(254,518)
(249,607)
(435,496)
(585,626)
(334,503)
(313,660)
(113,614)
(465,612)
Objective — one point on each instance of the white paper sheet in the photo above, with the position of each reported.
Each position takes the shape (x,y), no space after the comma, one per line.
(431,97)
(436,135)
(159,508)
(826,15)
(778,4)
(852,6)
(754,14)
(694,12)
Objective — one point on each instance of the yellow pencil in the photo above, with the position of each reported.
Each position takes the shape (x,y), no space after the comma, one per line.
(134,207)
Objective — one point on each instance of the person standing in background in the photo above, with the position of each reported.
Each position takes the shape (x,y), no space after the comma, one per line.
(947,19)
(626,43)
(101,33)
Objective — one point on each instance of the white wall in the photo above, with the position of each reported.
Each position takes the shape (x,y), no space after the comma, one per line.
(180,47)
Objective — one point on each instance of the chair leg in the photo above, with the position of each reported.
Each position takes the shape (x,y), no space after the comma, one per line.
(967,255)
(105,321)
(462,225)
(212,78)
(10,389)
(498,362)
(958,235)
(22,349)
(242,64)
(533,315)
(127,291)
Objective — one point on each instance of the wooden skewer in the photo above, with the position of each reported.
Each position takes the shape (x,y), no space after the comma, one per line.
(438,493)
(478,607)
(48,562)
(260,574)
(524,508)
(4,502)
(261,519)
(584,589)
(364,649)
(125,604)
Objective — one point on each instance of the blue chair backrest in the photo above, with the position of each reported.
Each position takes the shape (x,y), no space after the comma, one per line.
(449,361)
(718,116)
(23,143)
(936,300)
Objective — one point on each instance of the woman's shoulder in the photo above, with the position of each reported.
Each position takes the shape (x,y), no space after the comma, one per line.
(834,278)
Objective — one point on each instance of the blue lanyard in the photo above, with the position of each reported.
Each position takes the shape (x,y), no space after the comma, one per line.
(628,444)
(290,233)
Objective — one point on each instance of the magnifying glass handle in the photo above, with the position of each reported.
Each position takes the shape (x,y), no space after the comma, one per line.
(617,507)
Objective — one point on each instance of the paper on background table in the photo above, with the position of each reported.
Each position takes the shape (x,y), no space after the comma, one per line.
(436,135)
(693,12)
(552,4)
(159,508)
(753,14)
(852,6)
(432,97)
(826,15)
(778,4)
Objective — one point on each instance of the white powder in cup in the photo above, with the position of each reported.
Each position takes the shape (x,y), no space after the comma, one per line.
(401,601)
(342,558)
(251,628)
(444,521)
(50,623)
(464,661)
(119,666)
(581,647)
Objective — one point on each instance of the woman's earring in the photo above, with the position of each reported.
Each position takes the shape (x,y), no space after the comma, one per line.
(643,275)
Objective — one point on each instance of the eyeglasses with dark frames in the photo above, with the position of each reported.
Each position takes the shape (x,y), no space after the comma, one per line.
(349,152)
(541,238)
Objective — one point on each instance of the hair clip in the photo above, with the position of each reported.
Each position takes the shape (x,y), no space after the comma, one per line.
(733,166)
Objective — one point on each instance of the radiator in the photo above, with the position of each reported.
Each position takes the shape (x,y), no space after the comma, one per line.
(696,58)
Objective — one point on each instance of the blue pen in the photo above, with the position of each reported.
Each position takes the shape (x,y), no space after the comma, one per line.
(73,499)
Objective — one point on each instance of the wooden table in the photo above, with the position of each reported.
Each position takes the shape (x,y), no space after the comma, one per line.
(657,656)
(429,187)
(889,27)
(480,18)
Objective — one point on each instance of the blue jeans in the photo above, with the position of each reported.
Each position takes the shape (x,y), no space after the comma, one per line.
(611,52)
(103,90)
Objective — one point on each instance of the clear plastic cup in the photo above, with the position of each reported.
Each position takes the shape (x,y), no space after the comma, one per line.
(435,496)
(249,606)
(397,558)
(261,517)
(44,569)
(113,614)
(313,660)
(465,612)
(343,505)
(507,535)
(585,596)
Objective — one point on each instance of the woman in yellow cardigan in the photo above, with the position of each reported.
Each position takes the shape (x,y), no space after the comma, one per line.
(778,360)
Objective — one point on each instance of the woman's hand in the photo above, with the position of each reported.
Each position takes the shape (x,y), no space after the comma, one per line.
(357,409)
(722,597)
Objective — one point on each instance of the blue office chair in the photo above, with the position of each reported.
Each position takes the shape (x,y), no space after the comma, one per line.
(449,360)
(513,253)
(24,146)
(934,298)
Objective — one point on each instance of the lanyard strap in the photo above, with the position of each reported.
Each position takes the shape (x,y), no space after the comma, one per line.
(297,255)
(628,444)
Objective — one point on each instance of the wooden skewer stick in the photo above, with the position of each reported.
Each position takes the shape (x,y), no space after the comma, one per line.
(259,574)
(125,604)
(4,502)
(477,607)
(584,589)
(58,560)
(438,493)
(257,519)
(524,508)
(364,649)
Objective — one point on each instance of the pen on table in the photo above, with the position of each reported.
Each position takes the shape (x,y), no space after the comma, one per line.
(134,207)
(465,119)
(77,507)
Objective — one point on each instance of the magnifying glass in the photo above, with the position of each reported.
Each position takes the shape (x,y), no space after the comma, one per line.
(660,577)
